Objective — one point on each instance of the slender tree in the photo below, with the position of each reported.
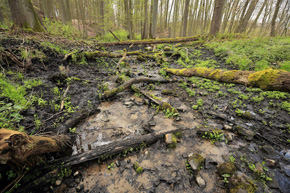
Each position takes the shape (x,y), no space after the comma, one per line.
(217,17)
(24,15)
(185,18)
(244,21)
(273,22)
(154,19)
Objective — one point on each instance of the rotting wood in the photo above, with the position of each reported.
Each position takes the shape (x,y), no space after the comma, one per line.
(14,59)
(63,98)
(269,79)
(115,147)
(16,147)
(122,59)
(127,84)
(153,41)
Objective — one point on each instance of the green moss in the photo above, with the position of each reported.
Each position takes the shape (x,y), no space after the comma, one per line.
(246,115)
(264,79)
(166,106)
(141,58)
(239,182)
(229,75)
(139,170)
(216,74)
(168,92)
(113,92)
(226,168)
(136,165)
(174,142)
(198,159)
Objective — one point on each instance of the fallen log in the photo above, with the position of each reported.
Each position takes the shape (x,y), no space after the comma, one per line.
(115,147)
(153,41)
(269,79)
(16,147)
(127,84)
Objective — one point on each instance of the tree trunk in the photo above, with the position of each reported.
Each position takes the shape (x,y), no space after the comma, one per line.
(185,18)
(24,15)
(146,27)
(217,17)
(273,23)
(268,79)
(154,19)
(257,17)
(17,146)
(244,22)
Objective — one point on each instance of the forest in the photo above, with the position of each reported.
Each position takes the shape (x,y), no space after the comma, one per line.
(145,96)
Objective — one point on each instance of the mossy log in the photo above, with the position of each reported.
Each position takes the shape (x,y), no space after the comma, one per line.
(127,84)
(153,41)
(269,79)
(16,147)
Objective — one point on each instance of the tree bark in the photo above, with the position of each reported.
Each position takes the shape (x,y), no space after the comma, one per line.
(273,23)
(154,19)
(146,27)
(217,17)
(17,146)
(185,18)
(268,79)
(24,15)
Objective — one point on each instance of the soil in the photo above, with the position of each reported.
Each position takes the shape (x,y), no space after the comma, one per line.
(130,114)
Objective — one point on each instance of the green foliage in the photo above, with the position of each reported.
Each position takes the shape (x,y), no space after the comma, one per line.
(254,54)
(57,28)
(170,113)
(190,92)
(206,63)
(226,177)
(54,47)
(214,136)
(285,66)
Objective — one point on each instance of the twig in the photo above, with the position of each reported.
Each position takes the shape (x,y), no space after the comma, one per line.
(122,59)
(14,59)
(63,97)
(114,35)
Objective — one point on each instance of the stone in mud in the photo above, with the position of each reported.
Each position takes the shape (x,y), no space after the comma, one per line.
(170,140)
(248,134)
(240,182)
(200,182)
(228,127)
(58,182)
(229,136)
(269,150)
(195,161)
(227,167)
(270,162)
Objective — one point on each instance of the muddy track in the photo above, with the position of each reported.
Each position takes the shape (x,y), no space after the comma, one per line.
(254,127)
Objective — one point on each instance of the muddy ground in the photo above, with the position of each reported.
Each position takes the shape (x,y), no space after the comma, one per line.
(248,126)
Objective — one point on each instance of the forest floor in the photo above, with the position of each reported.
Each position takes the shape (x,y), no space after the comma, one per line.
(248,129)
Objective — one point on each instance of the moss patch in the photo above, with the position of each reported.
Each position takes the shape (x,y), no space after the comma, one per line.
(227,168)
(264,79)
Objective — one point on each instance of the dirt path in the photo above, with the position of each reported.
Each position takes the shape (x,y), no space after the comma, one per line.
(248,126)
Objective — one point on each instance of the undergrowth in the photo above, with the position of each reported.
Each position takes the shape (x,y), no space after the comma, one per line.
(254,54)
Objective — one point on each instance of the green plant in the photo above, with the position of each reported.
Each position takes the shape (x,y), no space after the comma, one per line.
(213,136)
(190,92)
(111,166)
(170,113)
(72,130)
(232,158)
(226,177)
